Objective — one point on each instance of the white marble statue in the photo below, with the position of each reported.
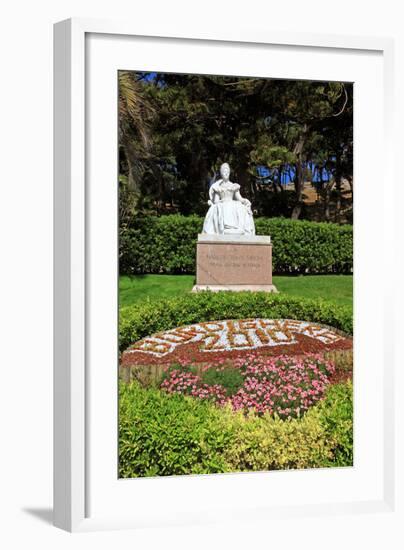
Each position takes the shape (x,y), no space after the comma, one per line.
(229,212)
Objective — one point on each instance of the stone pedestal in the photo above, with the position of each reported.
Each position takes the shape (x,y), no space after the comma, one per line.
(234,262)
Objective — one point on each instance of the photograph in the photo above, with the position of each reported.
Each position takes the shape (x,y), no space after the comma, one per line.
(202,268)
(235,200)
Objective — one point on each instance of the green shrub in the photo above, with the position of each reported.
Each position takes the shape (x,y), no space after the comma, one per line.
(164,434)
(140,320)
(308,247)
(336,415)
(268,443)
(228,377)
(321,438)
(167,244)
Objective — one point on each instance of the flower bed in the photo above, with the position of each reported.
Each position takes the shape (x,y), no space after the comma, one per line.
(232,339)
(286,386)
(141,320)
(171,434)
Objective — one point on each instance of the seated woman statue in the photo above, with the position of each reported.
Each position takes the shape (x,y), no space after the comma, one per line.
(229,212)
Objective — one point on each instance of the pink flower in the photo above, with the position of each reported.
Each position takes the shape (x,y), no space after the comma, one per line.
(285,385)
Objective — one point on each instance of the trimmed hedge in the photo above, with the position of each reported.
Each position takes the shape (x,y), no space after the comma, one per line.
(167,244)
(322,437)
(336,415)
(147,318)
(169,435)
(162,434)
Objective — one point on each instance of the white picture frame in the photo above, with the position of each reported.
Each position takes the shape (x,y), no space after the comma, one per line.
(86,55)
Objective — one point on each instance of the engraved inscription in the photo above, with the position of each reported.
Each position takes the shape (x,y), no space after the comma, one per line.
(233,260)
(238,264)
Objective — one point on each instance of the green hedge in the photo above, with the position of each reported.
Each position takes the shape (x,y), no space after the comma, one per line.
(336,415)
(322,437)
(169,435)
(144,319)
(162,434)
(167,244)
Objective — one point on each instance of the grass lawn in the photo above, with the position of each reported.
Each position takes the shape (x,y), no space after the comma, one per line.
(335,288)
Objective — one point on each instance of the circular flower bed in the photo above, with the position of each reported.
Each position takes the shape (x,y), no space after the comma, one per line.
(229,339)
(286,386)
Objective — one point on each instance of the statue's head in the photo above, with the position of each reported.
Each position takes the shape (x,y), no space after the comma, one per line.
(225,170)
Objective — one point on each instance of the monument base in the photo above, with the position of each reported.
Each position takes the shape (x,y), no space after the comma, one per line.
(235,288)
(234,262)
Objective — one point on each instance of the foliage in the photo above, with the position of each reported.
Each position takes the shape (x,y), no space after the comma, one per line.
(164,434)
(308,247)
(267,443)
(143,319)
(169,435)
(134,115)
(196,122)
(167,244)
(163,244)
(336,414)
(285,386)
(228,377)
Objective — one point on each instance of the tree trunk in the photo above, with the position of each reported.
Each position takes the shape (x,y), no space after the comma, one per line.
(277,182)
(299,175)
(299,183)
(338,177)
(350,181)
(327,193)
(133,166)
(321,183)
(244,180)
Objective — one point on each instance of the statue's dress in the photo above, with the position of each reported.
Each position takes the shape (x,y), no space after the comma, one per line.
(227,215)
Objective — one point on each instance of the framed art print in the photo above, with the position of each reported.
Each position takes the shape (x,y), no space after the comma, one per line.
(220,328)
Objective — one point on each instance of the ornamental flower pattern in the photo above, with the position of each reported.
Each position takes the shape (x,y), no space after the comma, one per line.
(243,335)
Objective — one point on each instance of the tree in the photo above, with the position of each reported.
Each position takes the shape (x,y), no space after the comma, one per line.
(134,116)
(178,129)
(302,111)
